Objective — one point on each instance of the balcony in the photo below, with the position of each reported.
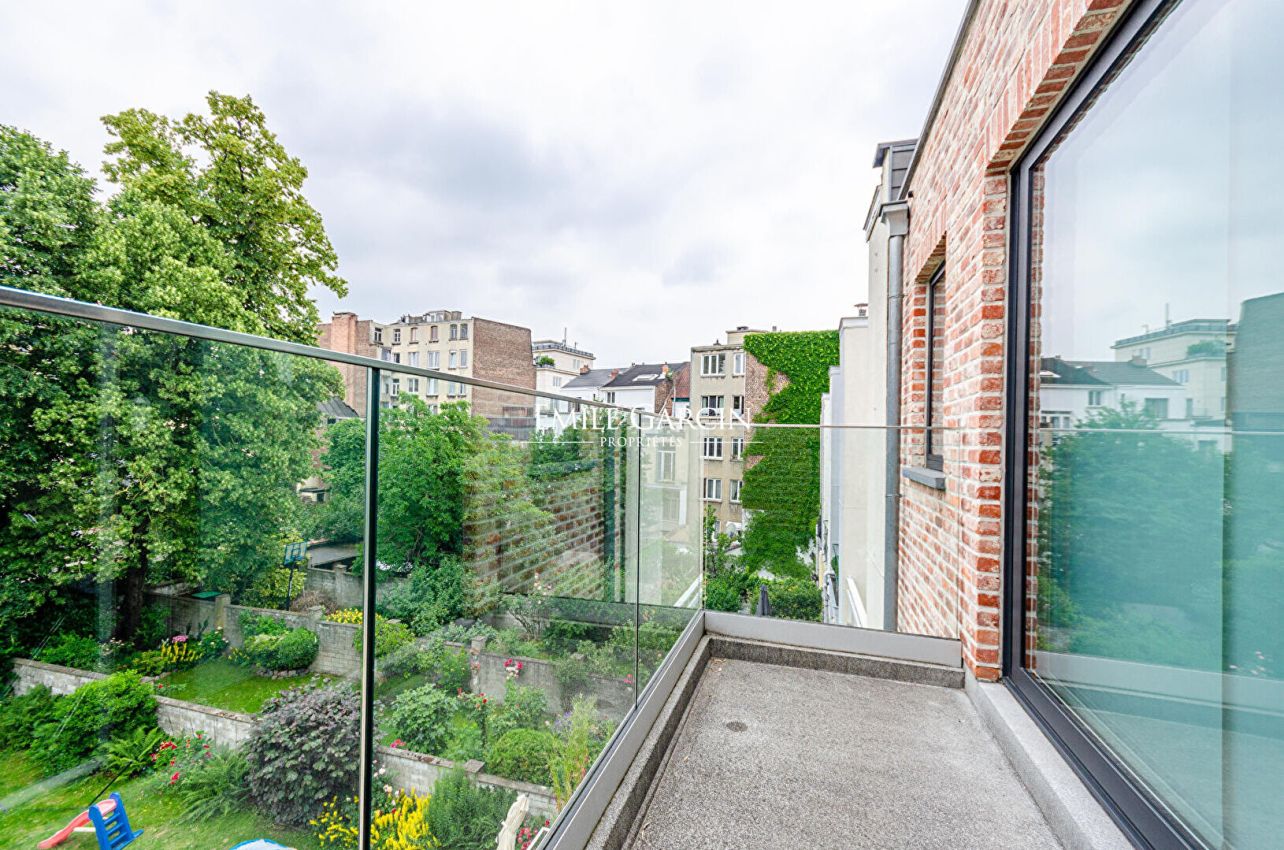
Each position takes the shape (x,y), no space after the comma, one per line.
(252,620)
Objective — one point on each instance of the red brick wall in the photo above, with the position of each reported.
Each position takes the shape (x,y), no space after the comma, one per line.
(502,353)
(350,335)
(1017,60)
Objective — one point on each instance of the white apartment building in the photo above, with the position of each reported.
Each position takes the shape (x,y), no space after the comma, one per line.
(557,364)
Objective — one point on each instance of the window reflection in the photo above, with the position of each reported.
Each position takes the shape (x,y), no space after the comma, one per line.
(1157,405)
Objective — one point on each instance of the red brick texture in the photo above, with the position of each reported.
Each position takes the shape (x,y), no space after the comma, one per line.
(350,335)
(1017,60)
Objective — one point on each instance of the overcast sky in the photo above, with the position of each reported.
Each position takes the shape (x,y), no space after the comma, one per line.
(645,175)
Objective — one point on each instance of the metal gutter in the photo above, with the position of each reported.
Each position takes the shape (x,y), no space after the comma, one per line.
(968,15)
(896,215)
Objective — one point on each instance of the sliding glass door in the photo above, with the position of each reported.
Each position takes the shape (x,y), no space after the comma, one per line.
(1148,555)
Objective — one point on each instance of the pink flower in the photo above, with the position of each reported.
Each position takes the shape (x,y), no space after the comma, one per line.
(398,743)
(180,638)
(173,778)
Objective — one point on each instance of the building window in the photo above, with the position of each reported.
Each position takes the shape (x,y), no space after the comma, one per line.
(738,363)
(711,405)
(463,359)
(432,387)
(1134,627)
(385,354)
(1096,397)
(713,489)
(432,334)
(463,331)
(737,448)
(396,357)
(934,388)
(557,380)
(454,360)
(713,365)
(671,507)
(738,404)
(454,332)
(412,385)
(378,336)
(414,334)
(712,448)
(396,336)
(666,465)
(610,397)
(412,358)
(735,491)
(434,359)
(394,387)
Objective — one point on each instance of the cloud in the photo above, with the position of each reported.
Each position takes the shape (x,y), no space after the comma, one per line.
(646,176)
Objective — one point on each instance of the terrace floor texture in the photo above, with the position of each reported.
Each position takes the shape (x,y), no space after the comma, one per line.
(775,756)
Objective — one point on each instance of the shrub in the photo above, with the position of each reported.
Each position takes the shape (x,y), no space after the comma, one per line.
(130,755)
(153,625)
(580,737)
(465,817)
(421,717)
(523,754)
(67,650)
(253,624)
(214,787)
(432,595)
(390,635)
(351,616)
(86,720)
(304,751)
(19,716)
(447,665)
(721,594)
(794,599)
(523,708)
(296,649)
(273,587)
(562,636)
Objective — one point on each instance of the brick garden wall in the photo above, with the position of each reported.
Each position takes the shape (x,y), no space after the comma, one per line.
(1017,60)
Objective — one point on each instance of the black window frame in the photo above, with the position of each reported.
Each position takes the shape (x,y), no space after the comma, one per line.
(932,457)
(1142,818)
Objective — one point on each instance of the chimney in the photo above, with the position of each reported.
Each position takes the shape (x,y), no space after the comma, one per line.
(862,311)
(615,373)
(584,369)
(664,371)
(1138,360)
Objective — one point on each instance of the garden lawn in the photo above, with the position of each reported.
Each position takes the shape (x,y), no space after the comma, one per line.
(25,826)
(16,773)
(222,684)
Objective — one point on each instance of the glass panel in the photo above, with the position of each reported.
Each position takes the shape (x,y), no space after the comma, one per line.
(506,638)
(668,556)
(1157,420)
(165,585)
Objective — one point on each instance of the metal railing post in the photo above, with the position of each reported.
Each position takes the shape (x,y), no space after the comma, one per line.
(370,563)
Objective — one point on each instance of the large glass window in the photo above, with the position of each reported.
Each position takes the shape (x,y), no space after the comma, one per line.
(1155,572)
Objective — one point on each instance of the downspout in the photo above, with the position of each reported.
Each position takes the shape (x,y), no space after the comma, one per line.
(896,214)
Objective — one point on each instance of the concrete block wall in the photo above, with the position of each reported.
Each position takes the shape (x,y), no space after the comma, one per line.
(1017,59)
(614,696)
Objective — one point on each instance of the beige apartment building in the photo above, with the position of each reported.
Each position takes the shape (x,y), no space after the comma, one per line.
(445,341)
(718,399)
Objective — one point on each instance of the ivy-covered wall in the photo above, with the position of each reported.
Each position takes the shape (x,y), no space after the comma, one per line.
(782,477)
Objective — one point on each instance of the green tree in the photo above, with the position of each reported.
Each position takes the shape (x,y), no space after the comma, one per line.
(167,457)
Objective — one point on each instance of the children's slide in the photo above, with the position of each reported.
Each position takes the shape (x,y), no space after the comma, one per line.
(79,822)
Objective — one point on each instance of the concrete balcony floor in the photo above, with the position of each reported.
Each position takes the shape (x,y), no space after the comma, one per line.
(771,756)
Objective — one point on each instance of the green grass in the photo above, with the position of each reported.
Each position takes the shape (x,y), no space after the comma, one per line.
(25,826)
(222,684)
(16,773)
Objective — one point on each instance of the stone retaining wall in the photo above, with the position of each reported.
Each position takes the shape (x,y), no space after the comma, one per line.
(232,729)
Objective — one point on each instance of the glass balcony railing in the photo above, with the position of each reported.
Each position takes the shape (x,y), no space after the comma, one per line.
(250,595)
(257,590)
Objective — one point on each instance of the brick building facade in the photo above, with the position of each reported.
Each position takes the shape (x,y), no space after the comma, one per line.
(1013,62)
